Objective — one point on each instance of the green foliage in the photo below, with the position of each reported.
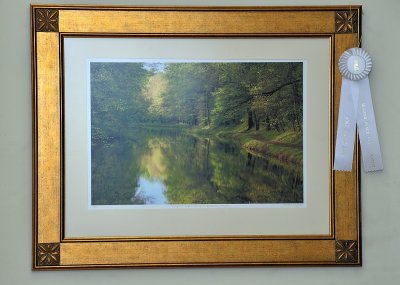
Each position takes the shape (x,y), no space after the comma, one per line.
(236,131)
(116,97)
(264,95)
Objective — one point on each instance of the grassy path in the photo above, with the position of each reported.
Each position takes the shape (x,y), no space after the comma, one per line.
(286,147)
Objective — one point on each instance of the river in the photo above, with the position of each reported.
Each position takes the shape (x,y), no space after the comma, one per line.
(170,166)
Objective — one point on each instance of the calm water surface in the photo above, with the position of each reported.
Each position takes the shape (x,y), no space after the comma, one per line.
(169,166)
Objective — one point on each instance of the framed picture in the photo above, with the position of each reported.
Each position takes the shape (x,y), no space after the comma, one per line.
(190,136)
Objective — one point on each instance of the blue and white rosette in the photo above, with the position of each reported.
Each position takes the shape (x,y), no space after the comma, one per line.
(356,110)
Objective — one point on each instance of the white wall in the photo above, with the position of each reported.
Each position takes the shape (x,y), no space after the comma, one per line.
(380,191)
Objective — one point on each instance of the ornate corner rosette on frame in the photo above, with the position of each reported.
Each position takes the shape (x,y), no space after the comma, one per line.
(356,110)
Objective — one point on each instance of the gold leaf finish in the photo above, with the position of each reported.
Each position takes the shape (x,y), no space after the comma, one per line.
(51,250)
(182,22)
(346,183)
(198,252)
(48,138)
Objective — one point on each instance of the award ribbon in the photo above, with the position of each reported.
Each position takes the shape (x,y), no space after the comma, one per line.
(356,110)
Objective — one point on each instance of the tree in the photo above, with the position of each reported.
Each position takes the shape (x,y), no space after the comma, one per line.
(116,100)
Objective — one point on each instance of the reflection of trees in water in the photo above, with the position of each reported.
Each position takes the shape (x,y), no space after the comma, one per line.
(114,175)
(273,182)
(195,170)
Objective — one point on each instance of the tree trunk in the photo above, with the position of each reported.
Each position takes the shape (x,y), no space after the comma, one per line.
(250,122)
(294,118)
(207,109)
(268,123)
(257,121)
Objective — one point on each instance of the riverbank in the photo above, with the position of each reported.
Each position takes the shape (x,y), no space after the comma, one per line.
(286,147)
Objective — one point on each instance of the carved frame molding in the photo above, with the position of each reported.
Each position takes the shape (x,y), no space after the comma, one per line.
(46,20)
(346,22)
(344,248)
(48,254)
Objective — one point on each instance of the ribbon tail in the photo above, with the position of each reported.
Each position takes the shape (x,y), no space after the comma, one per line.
(370,147)
(346,128)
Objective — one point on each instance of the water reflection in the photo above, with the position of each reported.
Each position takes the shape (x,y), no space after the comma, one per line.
(161,166)
(152,191)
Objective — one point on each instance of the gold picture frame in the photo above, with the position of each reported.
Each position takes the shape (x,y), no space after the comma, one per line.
(50,24)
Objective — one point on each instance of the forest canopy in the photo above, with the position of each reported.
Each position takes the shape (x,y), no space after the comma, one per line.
(258,95)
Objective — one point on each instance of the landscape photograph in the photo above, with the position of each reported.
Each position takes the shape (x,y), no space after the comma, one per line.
(196,132)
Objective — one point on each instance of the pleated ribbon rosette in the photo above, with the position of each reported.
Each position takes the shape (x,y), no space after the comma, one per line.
(356,109)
